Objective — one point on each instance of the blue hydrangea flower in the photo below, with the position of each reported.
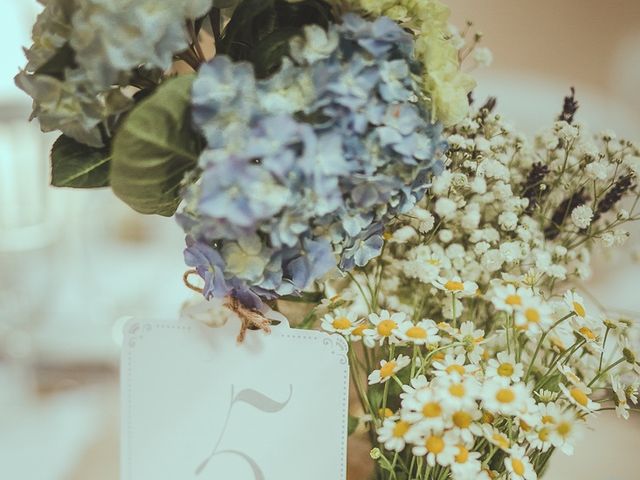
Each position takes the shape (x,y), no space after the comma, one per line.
(303,170)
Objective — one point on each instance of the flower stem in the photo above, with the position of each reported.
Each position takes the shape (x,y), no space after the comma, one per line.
(542,338)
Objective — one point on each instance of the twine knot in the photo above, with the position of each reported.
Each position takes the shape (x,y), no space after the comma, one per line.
(250,318)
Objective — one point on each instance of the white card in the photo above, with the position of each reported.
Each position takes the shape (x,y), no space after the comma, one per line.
(198,406)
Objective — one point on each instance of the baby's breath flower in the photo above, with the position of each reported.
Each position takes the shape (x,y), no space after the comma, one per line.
(581,216)
(483,56)
(445,207)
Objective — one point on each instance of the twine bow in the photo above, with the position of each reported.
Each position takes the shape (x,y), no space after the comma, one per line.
(250,318)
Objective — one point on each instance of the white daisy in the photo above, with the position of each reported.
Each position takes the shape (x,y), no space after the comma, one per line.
(496,437)
(566,430)
(458,393)
(533,316)
(439,449)
(357,333)
(466,465)
(508,298)
(417,383)
(385,326)
(630,354)
(426,409)
(505,399)
(472,339)
(519,466)
(464,423)
(570,375)
(388,369)
(425,332)
(541,437)
(579,396)
(340,321)
(393,434)
(622,405)
(589,330)
(453,365)
(456,286)
(576,304)
(504,367)
(632,392)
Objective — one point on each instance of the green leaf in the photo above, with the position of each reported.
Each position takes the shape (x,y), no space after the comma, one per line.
(353,424)
(259,30)
(76,165)
(267,55)
(251,20)
(154,148)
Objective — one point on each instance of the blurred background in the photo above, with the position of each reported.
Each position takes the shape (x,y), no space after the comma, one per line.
(74,266)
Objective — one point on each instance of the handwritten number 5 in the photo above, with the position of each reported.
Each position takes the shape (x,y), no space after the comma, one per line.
(257,400)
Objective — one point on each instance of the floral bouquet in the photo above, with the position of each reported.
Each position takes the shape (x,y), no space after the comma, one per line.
(329,153)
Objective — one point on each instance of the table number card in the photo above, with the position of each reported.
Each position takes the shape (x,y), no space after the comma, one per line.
(198,406)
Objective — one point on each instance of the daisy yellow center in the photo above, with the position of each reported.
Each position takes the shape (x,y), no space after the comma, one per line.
(543,434)
(435,444)
(462,419)
(400,429)
(359,330)
(505,395)
(463,454)
(433,261)
(487,417)
(341,323)
(385,327)
(579,396)
(547,419)
(501,441)
(388,369)
(457,390)
(579,309)
(431,410)
(386,413)
(563,429)
(588,333)
(524,426)
(513,300)
(439,356)
(518,466)
(417,333)
(505,370)
(454,368)
(532,315)
(454,286)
